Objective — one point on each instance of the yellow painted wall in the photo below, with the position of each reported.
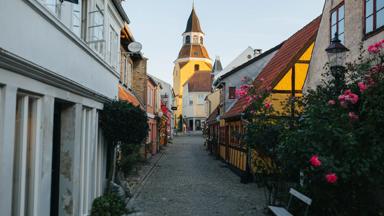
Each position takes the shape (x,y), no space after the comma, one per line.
(214,98)
(182,75)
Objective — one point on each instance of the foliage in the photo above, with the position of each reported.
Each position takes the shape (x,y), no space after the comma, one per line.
(126,126)
(124,123)
(108,205)
(338,143)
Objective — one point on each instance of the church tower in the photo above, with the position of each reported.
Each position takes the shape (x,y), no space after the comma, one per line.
(193,57)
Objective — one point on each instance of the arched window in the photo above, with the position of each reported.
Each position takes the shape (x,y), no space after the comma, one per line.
(201,40)
(188,39)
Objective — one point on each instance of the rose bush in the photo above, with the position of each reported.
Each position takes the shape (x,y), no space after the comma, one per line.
(338,144)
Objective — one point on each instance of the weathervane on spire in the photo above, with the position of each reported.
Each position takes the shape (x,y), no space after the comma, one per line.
(193,4)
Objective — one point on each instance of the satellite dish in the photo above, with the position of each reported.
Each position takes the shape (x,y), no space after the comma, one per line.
(135,47)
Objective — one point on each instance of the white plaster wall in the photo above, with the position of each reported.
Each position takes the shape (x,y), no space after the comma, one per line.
(354,36)
(251,71)
(25,32)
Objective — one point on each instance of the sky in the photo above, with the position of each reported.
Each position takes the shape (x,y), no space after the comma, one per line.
(230,26)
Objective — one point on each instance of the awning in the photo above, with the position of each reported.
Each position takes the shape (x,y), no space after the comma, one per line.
(125,95)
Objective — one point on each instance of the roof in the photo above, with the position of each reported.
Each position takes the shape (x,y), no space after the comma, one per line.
(257,58)
(195,51)
(289,53)
(201,81)
(150,79)
(217,66)
(274,71)
(193,24)
(212,118)
(121,11)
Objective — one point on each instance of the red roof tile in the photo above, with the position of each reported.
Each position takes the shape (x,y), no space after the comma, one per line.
(201,81)
(212,117)
(279,65)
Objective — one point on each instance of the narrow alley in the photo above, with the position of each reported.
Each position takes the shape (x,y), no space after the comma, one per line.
(187,181)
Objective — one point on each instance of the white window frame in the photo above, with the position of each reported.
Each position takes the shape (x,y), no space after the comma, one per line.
(53,6)
(96,42)
(113,48)
(77,18)
(27,155)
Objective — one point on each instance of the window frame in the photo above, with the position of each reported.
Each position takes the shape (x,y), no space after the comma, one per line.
(336,9)
(232,92)
(375,30)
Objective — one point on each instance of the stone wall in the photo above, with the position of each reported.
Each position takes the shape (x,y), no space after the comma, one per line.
(354,38)
(139,80)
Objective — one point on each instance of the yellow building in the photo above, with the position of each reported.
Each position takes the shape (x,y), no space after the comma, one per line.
(193,57)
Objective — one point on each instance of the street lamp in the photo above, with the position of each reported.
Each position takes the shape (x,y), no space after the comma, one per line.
(337,55)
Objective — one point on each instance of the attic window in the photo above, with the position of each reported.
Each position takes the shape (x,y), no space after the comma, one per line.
(188,39)
(197,67)
(196,53)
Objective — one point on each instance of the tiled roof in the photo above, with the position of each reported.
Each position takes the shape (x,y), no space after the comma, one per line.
(288,54)
(201,81)
(212,117)
(194,51)
(193,24)
(275,70)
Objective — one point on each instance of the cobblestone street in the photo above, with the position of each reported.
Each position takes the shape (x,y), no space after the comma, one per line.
(187,181)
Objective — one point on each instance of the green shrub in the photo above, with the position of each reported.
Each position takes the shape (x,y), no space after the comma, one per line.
(108,205)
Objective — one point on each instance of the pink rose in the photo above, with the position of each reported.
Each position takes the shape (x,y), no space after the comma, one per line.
(331,178)
(268,105)
(249,99)
(353,116)
(362,87)
(353,98)
(315,161)
(331,102)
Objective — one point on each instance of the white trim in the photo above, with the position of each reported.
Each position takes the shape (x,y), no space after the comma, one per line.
(193,59)
(29,69)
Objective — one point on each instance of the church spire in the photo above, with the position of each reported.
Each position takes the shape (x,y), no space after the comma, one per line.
(193,24)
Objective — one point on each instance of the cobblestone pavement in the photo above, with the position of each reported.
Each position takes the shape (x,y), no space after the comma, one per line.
(187,181)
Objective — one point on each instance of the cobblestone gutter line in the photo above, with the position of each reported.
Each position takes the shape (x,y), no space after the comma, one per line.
(138,180)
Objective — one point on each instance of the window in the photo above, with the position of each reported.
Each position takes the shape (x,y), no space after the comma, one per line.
(76,18)
(52,5)
(200,99)
(337,22)
(113,47)
(188,39)
(197,67)
(374,15)
(201,40)
(232,93)
(190,100)
(96,38)
(150,97)
(26,152)
(195,39)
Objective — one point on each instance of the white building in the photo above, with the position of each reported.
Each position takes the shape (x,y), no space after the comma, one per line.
(195,91)
(59,63)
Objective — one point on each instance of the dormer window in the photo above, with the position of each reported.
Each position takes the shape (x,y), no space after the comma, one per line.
(201,40)
(188,39)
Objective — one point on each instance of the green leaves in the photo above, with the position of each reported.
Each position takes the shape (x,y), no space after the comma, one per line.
(108,205)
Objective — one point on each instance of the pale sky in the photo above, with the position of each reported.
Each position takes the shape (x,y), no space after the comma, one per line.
(230,26)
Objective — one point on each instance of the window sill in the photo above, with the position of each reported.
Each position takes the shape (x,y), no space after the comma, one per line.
(46,14)
(374,33)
